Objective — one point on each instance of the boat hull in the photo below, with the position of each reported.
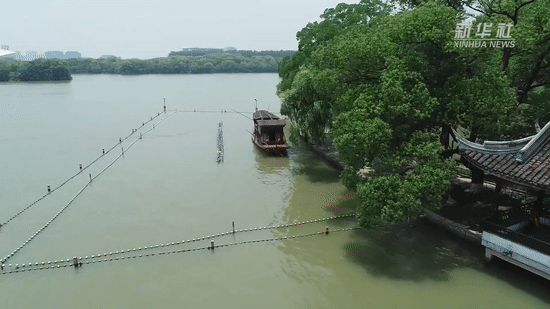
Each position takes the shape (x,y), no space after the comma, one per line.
(272,150)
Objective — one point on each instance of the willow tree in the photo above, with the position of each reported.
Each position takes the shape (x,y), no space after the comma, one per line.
(307,98)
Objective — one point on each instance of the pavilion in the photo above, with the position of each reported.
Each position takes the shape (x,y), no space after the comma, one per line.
(522,237)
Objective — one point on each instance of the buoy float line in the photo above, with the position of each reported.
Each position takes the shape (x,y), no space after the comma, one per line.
(9,256)
(11,268)
(79,172)
(178,242)
(220,155)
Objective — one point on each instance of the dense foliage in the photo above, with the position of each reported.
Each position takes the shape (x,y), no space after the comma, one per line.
(226,62)
(386,88)
(183,62)
(37,70)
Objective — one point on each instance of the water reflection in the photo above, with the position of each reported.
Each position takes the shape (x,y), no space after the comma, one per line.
(270,164)
(413,252)
(406,256)
(310,165)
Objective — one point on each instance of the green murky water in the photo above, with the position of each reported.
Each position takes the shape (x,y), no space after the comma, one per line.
(167,188)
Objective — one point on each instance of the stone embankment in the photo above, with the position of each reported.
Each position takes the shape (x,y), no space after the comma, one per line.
(329,153)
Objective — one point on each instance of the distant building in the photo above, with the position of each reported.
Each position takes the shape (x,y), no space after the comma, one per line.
(230,48)
(55,55)
(4,52)
(16,55)
(28,56)
(72,55)
(198,48)
(61,55)
(33,55)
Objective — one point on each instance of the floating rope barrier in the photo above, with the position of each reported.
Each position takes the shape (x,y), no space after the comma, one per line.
(10,255)
(82,169)
(145,251)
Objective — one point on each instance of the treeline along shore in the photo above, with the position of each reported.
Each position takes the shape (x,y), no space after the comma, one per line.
(37,70)
(182,62)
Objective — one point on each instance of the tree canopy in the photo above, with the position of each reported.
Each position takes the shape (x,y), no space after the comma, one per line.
(185,62)
(37,70)
(194,61)
(386,86)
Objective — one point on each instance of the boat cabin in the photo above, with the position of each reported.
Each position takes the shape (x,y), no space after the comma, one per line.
(269,133)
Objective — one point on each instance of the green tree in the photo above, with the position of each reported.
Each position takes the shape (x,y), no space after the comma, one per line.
(388,90)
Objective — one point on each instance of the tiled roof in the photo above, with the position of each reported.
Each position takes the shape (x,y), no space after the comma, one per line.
(525,161)
(264,115)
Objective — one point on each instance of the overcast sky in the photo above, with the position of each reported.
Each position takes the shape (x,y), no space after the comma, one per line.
(153,28)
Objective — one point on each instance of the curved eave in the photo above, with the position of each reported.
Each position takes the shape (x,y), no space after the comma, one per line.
(492,147)
(525,162)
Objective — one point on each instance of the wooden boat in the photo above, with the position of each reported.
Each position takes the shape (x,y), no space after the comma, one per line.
(268,133)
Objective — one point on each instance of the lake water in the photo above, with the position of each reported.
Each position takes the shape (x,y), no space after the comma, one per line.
(168,188)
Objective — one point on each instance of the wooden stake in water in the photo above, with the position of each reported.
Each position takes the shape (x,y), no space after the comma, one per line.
(233,227)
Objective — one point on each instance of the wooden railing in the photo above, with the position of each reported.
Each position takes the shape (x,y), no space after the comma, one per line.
(517,237)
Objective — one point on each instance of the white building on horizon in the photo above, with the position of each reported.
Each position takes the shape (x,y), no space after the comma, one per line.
(4,52)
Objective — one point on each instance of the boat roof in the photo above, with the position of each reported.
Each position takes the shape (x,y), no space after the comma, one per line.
(267,119)
(264,115)
(271,123)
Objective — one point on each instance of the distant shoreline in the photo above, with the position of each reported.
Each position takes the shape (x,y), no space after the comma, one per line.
(178,64)
(204,61)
